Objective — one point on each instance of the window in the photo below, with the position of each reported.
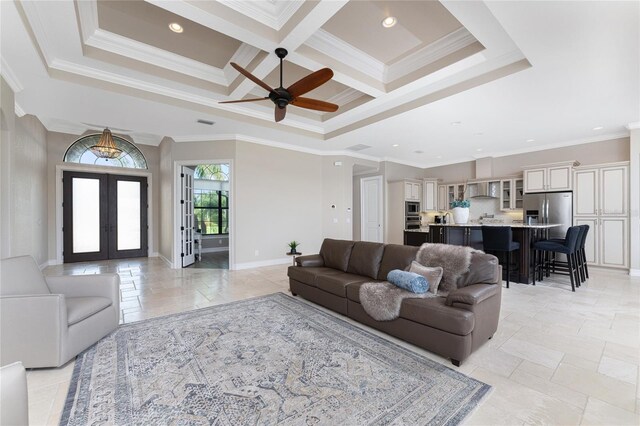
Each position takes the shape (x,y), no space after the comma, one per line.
(79,152)
(211,199)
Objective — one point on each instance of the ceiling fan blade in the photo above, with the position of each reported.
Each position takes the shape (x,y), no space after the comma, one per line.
(243,100)
(280,113)
(310,82)
(309,103)
(251,77)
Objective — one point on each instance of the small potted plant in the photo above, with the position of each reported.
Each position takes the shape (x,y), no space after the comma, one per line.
(293,245)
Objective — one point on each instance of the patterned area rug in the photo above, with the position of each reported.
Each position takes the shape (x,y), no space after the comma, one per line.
(273,360)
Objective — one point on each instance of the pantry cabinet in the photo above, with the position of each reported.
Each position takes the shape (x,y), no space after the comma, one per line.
(601,200)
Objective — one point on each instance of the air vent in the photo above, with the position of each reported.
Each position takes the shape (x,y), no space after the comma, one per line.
(207,122)
(358,147)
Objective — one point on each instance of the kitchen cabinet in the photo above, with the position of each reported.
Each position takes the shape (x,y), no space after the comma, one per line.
(601,200)
(412,191)
(455,191)
(442,198)
(430,195)
(456,235)
(511,194)
(414,238)
(607,242)
(551,177)
(602,191)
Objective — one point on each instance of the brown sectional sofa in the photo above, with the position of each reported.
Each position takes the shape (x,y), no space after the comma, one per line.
(452,326)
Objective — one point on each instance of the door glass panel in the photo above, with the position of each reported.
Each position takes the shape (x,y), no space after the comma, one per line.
(86,215)
(128,215)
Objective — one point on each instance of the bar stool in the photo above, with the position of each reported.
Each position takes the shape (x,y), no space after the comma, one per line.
(580,255)
(500,238)
(568,247)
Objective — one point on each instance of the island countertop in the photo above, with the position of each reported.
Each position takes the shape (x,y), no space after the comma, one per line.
(512,225)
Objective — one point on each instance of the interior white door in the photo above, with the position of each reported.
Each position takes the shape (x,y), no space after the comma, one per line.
(371,209)
(187,224)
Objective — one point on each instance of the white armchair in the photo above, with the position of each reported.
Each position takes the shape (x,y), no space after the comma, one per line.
(45,322)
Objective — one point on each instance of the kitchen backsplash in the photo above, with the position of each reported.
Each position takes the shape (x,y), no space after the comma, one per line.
(480,206)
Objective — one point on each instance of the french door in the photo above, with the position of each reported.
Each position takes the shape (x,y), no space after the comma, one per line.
(104,216)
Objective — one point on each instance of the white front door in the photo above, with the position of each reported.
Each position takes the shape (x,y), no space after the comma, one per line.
(187,225)
(371,209)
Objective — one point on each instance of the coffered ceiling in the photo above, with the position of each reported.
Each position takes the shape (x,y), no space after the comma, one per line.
(117,63)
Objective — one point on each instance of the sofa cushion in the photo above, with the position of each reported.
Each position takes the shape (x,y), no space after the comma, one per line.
(365,259)
(396,257)
(81,308)
(337,283)
(307,275)
(434,313)
(336,253)
(483,269)
(433,275)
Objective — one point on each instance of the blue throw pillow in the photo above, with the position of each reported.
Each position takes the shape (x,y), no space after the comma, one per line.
(408,280)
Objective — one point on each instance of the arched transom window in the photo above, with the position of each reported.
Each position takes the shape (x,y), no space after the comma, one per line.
(80,152)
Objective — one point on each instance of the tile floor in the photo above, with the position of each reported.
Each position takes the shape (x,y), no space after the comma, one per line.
(558,357)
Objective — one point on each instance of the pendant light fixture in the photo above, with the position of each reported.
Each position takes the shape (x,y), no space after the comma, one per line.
(106,147)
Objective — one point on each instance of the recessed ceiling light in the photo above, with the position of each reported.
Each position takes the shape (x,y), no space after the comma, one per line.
(395,145)
(456,123)
(478,149)
(598,128)
(175,27)
(531,140)
(438,156)
(389,21)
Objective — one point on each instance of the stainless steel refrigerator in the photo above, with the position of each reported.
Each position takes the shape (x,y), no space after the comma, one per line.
(550,207)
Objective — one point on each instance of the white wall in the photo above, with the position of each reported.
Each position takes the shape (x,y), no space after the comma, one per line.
(24,183)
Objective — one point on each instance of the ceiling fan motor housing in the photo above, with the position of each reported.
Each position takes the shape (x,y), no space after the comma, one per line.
(280,97)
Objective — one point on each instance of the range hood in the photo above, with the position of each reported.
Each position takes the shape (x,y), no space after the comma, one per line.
(483,189)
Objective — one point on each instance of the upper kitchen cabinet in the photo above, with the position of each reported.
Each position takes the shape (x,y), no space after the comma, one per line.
(430,197)
(511,194)
(549,177)
(442,197)
(412,191)
(602,190)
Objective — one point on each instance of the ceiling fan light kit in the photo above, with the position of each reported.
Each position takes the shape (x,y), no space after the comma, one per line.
(282,97)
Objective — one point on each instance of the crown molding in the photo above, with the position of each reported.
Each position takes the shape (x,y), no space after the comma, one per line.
(271,14)
(428,54)
(10,77)
(633,126)
(346,96)
(332,46)
(18,110)
(53,125)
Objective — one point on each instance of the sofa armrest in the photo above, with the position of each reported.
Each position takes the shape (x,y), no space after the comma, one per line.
(310,260)
(33,328)
(472,294)
(102,285)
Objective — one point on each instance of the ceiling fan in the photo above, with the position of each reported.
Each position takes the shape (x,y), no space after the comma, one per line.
(282,97)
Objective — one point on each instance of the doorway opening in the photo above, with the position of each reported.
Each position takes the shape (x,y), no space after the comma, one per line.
(105,216)
(204,224)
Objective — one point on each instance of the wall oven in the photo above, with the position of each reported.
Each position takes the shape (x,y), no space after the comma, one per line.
(412,215)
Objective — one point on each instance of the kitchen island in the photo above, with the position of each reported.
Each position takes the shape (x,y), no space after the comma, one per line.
(470,234)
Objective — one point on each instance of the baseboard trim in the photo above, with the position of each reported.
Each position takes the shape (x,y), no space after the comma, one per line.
(261,263)
(214,249)
(634,272)
(49,262)
(165,260)
(154,254)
